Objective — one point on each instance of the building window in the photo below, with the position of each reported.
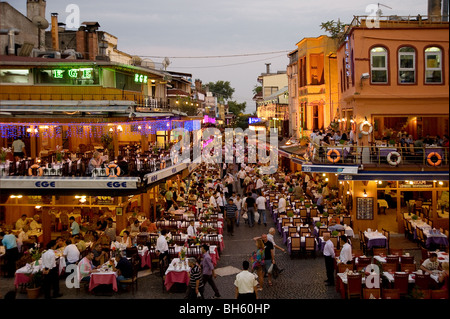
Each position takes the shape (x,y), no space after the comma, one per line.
(15,76)
(269,90)
(433,65)
(379,68)
(407,65)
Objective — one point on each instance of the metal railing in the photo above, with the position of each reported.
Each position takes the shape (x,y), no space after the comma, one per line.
(380,156)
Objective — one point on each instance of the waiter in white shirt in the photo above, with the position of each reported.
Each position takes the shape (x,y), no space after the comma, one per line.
(162,248)
(50,272)
(346,252)
(328,252)
(281,204)
(259,184)
(192,230)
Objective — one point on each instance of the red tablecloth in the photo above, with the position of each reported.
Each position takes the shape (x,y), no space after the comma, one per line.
(146,260)
(176,276)
(103,279)
(21,279)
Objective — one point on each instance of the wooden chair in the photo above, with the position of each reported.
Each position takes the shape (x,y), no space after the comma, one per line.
(391,294)
(370,293)
(401,283)
(354,286)
(310,246)
(407,260)
(322,231)
(295,246)
(141,239)
(423,281)
(297,221)
(357,252)
(285,222)
(133,281)
(292,230)
(324,220)
(396,251)
(341,267)
(313,213)
(407,267)
(64,220)
(335,241)
(389,267)
(304,230)
(347,220)
(363,262)
(303,214)
(380,252)
(425,253)
(439,294)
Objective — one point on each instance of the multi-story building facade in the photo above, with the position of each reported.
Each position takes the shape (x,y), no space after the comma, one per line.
(317,83)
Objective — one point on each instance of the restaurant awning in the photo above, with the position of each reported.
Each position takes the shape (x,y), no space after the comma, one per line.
(69,185)
(396,176)
(335,169)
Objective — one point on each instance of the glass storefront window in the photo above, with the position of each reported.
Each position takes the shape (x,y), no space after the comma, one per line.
(68,76)
(14,76)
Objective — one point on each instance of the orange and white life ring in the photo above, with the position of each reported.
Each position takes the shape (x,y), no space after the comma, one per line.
(114,168)
(437,156)
(361,128)
(397,156)
(40,171)
(336,159)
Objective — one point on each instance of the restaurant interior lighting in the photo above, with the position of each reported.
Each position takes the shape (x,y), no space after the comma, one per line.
(16,196)
(38,207)
(348,192)
(365,194)
(441,183)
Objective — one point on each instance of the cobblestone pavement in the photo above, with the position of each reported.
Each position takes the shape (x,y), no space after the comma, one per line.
(302,278)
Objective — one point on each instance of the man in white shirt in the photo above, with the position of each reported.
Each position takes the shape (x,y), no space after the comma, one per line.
(282,204)
(261,206)
(345,255)
(220,202)
(162,248)
(22,221)
(305,182)
(238,202)
(259,183)
(50,273)
(246,284)
(35,225)
(241,175)
(192,230)
(212,201)
(328,253)
(71,253)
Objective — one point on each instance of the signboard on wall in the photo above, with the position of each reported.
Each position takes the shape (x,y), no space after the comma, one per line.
(364,208)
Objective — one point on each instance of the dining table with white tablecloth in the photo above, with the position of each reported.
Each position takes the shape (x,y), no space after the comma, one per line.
(375,239)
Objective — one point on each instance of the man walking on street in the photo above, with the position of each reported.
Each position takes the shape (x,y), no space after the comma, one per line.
(250,206)
(208,271)
(261,205)
(231,215)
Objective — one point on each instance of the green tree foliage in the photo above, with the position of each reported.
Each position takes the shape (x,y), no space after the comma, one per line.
(335,29)
(242,121)
(236,108)
(222,90)
(257,89)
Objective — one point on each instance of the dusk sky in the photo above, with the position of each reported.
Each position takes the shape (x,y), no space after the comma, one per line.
(199,28)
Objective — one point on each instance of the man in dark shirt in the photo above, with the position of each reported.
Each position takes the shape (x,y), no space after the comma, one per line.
(124,268)
(231,214)
(250,203)
(123,165)
(196,285)
(269,257)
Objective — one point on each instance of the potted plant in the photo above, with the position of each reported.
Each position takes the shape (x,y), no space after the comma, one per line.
(414,217)
(35,284)
(3,154)
(335,233)
(290,214)
(318,224)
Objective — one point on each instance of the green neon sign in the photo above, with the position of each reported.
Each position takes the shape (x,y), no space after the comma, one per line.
(140,78)
(73,73)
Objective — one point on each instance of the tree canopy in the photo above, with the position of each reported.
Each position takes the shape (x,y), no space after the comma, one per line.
(222,90)
(236,108)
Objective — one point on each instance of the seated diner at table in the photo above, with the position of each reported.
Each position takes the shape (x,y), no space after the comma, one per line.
(431,264)
(124,268)
(86,266)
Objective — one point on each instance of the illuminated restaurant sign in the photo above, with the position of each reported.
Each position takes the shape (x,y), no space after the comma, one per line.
(252,120)
(85,73)
(140,78)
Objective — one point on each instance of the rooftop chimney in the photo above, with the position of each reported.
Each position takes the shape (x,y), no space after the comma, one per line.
(55,32)
(268,68)
(445,10)
(434,10)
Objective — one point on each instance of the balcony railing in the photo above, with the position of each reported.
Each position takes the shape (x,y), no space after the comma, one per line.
(380,156)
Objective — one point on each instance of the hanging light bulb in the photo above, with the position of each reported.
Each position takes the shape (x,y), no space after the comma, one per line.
(365,194)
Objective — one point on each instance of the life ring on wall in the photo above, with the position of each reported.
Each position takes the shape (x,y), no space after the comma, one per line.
(40,171)
(430,159)
(338,156)
(115,168)
(396,162)
(361,128)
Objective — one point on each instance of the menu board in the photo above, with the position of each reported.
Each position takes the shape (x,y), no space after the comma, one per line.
(364,208)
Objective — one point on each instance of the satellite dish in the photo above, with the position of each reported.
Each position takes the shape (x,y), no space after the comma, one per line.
(166,63)
(40,22)
(148,63)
